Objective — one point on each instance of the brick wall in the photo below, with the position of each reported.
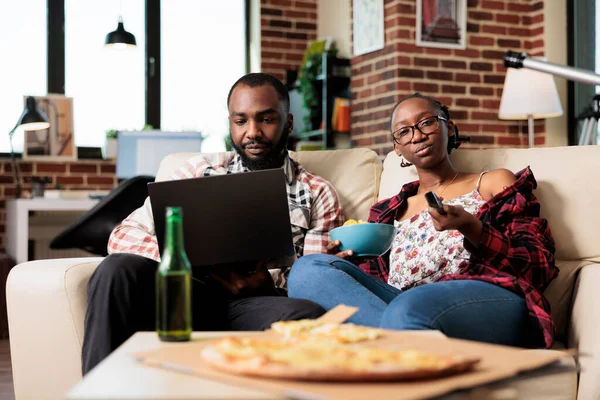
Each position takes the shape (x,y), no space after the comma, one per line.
(80,175)
(468,81)
(286,28)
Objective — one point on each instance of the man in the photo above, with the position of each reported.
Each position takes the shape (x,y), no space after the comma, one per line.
(121,292)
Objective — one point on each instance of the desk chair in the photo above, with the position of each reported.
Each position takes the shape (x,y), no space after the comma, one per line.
(91,231)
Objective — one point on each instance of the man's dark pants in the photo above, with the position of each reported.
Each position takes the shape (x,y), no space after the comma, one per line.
(121,301)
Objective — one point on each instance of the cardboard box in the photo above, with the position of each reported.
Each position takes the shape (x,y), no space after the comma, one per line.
(497,363)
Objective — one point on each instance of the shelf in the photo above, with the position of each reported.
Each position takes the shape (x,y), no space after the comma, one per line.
(332,83)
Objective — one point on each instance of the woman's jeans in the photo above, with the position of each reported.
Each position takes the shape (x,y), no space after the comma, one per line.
(465,309)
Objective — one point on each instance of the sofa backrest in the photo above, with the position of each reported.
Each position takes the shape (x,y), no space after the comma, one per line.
(354,173)
(568,188)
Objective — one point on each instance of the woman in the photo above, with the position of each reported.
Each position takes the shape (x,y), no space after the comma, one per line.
(477,271)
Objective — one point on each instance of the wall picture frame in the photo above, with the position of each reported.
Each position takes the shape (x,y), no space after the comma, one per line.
(442,24)
(369,27)
(57,142)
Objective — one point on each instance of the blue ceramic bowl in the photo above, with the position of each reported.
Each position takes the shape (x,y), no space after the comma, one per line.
(365,240)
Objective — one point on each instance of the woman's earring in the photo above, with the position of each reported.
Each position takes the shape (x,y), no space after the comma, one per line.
(404,164)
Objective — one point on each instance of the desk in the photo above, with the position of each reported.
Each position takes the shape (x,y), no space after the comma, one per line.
(17,220)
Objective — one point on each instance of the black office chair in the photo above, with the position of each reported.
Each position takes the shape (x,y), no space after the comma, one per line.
(91,231)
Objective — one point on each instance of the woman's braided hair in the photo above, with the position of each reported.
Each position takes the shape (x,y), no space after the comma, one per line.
(456,140)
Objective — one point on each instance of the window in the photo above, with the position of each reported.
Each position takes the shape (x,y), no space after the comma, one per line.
(107,85)
(583,51)
(203,52)
(23,46)
(199,49)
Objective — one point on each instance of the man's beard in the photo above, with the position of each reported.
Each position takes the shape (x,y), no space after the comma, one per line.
(273,159)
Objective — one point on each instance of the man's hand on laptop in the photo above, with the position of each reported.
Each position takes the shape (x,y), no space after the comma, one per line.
(245,280)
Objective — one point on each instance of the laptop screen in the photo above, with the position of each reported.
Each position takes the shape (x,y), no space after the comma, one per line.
(228,218)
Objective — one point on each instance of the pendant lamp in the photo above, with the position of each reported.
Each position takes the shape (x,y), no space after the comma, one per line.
(120,38)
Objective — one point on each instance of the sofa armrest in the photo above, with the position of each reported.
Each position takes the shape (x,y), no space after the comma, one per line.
(46,304)
(584,330)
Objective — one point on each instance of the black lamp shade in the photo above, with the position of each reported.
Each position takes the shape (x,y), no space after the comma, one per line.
(120,38)
(33,118)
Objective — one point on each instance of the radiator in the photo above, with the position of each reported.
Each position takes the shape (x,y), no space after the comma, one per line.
(45,226)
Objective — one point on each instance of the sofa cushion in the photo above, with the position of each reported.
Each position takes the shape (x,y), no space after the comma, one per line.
(353,173)
(560,292)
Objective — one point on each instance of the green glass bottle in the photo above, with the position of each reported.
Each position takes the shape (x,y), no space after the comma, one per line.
(174,284)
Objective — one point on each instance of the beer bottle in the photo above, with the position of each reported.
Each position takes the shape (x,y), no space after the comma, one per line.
(174,283)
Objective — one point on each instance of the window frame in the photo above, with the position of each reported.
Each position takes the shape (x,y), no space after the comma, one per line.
(56,46)
(56,54)
(571,118)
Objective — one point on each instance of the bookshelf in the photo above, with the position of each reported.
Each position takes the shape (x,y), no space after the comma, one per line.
(332,83)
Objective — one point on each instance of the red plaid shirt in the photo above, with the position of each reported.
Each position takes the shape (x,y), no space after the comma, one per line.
(516,251)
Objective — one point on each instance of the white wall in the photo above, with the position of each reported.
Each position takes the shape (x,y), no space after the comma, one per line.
(333,19)
(555,40)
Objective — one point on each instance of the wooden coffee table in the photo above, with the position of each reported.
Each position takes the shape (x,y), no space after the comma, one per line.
(119,376)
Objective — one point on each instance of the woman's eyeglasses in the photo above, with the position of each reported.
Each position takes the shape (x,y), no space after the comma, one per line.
(427,126)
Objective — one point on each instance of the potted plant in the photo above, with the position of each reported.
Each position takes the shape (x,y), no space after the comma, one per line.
(110,145)
(38,185)
(308,87)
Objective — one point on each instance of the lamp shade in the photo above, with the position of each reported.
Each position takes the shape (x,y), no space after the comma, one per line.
(33,118)
(120,38)
(529,93)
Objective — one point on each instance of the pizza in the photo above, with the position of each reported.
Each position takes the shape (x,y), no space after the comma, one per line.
(313,328)
(317,360)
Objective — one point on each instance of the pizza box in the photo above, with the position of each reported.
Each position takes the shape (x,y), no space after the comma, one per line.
(497,363)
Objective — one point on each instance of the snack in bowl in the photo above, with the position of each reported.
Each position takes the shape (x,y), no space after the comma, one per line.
(307,329)
(324,361)
(364,239)
(354,222)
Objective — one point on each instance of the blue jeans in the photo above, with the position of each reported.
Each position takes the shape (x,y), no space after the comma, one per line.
(466,309)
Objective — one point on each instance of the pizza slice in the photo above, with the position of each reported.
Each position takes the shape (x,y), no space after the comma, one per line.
(321,361)
(313,328)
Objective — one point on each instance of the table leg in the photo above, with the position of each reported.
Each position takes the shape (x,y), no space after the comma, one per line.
(17,231)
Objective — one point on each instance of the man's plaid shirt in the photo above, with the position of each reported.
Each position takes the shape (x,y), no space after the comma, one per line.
(516,251)
(314,210)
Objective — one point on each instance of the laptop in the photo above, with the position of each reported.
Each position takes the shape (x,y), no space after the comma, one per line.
(228,218)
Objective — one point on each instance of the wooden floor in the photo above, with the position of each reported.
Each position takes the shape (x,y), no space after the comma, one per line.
(6,382)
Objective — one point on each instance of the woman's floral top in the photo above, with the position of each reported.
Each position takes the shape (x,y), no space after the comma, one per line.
(420,254)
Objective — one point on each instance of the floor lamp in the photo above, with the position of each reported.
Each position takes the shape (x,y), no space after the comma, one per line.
(32,119)
(529,95)
(522,62)
(513,59)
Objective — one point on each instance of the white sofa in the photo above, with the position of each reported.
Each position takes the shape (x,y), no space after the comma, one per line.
(47,299)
